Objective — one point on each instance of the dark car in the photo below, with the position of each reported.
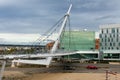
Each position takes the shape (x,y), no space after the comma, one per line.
(91,67)
(66,67)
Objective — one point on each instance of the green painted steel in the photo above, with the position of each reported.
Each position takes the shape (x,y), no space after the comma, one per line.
(78,40)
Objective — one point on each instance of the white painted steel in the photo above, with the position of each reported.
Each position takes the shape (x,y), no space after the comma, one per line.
(49,59)
(46,55)
(2,70)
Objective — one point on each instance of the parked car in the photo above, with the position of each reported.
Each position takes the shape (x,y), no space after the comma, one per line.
(67,67)
(91,67)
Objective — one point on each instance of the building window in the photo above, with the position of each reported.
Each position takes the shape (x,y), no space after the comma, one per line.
(100,35)
(105,35)
(117,39)
(110,44)
(105,40)
(117,35)
(119,44)
(108,39)
(112,48)
(113,30)
(113,44)
(117,30)
(100,44)
(105,44)
(110,35)
(117,48)
(102,48)
(105,48)
(112,39)
(102,40)
(114,35)
(102,30)
(107,30)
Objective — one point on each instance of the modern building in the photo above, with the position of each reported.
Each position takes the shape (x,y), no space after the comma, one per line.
(110,41)
(82,41)
(78,40)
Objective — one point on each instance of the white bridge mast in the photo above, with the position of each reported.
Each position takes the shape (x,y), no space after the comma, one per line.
(49,59)
(61,29)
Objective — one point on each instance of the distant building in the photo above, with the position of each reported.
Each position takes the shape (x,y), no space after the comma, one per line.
(110,41)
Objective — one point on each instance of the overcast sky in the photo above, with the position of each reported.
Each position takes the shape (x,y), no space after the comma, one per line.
(36,16)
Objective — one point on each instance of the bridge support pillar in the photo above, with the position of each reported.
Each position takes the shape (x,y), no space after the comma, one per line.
(18,63)
(47,66)
(13,64)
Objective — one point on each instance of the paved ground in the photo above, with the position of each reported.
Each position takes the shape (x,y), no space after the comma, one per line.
(58,68)
(77,68)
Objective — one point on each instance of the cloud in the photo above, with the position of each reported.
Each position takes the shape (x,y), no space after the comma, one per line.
(6,2)
(15,38)
(92,13)
(108,17)
(29,15)
(37,16)
(12,37)
(2,39)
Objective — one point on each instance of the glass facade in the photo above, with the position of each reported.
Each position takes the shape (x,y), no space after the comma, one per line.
(78,40)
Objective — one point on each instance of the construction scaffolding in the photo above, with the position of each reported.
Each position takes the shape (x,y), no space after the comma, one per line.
(78,40)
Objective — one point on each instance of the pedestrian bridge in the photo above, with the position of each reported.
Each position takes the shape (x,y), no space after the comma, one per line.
(23,58)
(44,55)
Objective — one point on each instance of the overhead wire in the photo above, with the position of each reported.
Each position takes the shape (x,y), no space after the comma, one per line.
(49,32)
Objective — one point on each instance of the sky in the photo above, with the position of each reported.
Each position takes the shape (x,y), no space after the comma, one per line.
(34,17)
